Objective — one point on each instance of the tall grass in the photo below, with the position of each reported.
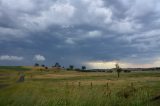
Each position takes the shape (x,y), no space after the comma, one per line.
(68,89)
(72,94)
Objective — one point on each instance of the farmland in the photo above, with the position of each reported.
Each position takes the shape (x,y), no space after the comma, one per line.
(71,88)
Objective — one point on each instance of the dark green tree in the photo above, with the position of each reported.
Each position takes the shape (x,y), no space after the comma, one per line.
(71,67)
(36,64)
(83,67)
(43,65)
(118,70)
(57,65)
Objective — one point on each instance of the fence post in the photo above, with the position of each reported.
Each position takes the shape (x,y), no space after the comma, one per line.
(132,84)
(107,86)
(91,84)
(79,84)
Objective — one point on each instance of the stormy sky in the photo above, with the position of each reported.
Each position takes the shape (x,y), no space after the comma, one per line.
(95,33)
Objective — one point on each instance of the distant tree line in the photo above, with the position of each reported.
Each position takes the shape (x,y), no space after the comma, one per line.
(58,66)
(84,69)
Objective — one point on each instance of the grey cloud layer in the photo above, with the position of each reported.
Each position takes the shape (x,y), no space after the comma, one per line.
(86,30)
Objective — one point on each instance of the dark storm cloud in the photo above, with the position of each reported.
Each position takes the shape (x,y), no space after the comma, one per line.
(77,32)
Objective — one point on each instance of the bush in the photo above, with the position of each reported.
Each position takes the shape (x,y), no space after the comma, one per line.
(127,71)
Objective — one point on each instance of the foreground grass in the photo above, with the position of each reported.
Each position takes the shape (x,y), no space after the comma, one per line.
(48,94)
(79,89)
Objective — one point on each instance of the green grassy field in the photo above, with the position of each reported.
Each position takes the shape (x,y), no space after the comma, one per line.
(69,88)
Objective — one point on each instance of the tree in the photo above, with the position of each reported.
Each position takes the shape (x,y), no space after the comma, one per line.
(83,67)
(46,68)
(71,67)
(57,65)
(36,64)
(118,70)
(43,65)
